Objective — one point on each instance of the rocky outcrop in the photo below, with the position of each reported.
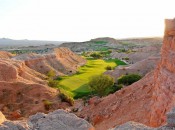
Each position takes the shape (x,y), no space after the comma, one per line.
(11,70)
(61,60)
(6,55)
(132,126)
(2,118)
(23,90)
(164,89)
(23,85)
(57,120)
(132,103)
(142,68)
(146,101)
(170,124)
(19,99)
(138,54)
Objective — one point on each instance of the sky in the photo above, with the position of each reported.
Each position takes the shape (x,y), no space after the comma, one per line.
(82,20)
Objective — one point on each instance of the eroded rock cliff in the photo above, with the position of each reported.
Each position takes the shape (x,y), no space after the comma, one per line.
(4,54)
(23,85)
(61,60)
(164,81)
(146,101)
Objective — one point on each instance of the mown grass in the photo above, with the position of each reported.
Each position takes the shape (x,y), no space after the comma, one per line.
(77,83)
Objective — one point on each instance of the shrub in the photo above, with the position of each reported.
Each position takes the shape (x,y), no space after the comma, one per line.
(51,74)
(96,55)
(116,87)
(109,67)
(125,58)
(53,83)
(47,104)
(128,79)
(66,98)
(101,84)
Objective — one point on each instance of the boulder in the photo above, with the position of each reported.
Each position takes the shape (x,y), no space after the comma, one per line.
(2,117)
(57,120)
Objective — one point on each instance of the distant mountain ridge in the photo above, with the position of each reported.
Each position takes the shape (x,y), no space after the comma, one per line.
(6,42)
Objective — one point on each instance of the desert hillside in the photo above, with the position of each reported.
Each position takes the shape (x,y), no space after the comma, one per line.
(60,60)
(60,79)
(24,81)
(146,101)
(105,43)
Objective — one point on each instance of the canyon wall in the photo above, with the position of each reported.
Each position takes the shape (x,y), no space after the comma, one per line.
(146,101)
(164,77)
(23,82)
(5,55)
(61,60)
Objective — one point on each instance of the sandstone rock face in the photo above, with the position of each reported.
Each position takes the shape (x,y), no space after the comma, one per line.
(22,99)
(170,125)
(163,95)
(23,84)
(141,67)
(129,104)
(62,61)
(146,101)
(140,54)
(2,118)
(6,55)
(11,70)
(57,120)
(22,90)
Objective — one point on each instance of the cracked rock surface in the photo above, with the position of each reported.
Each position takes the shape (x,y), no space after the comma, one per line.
(57,120)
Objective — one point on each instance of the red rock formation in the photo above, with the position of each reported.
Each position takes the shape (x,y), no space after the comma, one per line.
(141,67)
(12,70)
(131,103)
(2,118)
(62,61)
(24,91)
(164,88)
(146,101)
(4,54)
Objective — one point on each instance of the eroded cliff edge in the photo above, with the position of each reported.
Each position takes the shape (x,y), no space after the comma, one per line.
(23,81)
(146,101)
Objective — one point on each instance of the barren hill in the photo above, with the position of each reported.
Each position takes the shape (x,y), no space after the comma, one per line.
(61,60)
(4,54)
(23,84)
(101,44)
(141,67)
(146,101)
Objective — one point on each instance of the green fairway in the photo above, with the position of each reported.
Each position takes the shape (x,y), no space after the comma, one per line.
(77,83)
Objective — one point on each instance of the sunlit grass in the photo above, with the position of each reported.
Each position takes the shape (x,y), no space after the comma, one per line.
(77,83)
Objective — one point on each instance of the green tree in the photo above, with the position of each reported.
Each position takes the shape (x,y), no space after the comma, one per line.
(53,83)
(128,79)
(66,98)
(108,67)
(101,84)
(96,55)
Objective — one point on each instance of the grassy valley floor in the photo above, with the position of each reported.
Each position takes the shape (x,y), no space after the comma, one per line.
(77,84)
